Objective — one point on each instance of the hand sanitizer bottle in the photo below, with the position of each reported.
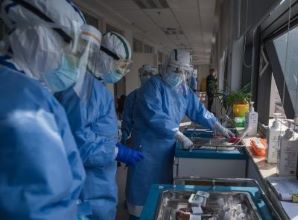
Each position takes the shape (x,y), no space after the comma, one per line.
(273,138)
(251,119)
(287,161)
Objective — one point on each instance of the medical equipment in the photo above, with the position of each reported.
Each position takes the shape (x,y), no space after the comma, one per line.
(221,199)
(210,156)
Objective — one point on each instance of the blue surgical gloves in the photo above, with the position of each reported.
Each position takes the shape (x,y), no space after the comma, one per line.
(127,155)
(218,128)
(186,142)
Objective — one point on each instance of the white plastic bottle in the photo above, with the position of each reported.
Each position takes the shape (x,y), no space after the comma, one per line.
(251,120)
(288,153)
(274,133)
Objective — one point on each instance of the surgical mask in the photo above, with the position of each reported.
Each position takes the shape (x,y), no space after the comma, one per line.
(173,79)
(64,77)
(111,77)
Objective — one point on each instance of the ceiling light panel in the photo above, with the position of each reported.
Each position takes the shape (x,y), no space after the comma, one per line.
(151,4)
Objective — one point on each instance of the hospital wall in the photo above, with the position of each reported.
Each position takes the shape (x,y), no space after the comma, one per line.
(202,75)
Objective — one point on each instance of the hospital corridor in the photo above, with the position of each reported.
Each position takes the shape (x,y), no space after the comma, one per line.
(148,110)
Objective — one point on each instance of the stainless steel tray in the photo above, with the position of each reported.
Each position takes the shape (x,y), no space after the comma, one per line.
(220,206)
(220,144)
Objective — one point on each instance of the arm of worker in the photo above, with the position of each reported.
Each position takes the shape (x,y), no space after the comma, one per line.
(98,139)
(186,142)
(93,124)
(71,148)
(197,112)
(149,108)
(219,129)
(36,177)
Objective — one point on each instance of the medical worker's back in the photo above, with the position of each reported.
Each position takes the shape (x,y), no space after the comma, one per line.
(40,170)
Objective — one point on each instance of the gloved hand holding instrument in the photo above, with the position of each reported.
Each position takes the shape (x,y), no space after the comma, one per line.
(186,142)
(218,128)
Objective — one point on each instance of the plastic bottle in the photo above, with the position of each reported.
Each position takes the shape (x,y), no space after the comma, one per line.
(251,119)
(287,161)
(274,133)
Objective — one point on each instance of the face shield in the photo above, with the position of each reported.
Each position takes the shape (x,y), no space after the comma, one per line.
(108,64)
(49,40)
(176,75)
(176,67)
(146,72)
(74,60)
(114,63)
(105,67)
(87,45)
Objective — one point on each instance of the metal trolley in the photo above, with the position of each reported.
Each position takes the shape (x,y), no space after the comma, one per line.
(210,157)
(166,201)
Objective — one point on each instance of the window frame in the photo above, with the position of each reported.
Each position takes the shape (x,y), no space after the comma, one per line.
(275,24)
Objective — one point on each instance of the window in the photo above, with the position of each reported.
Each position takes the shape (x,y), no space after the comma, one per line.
(137,46)
(141,47)
(3,30)
(93,21)
(286,48)
(275,100)
(148,49)
(110,28)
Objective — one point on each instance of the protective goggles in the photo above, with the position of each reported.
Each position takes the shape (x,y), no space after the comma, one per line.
(122,66)
(179,66)
(146,73)
(176,69)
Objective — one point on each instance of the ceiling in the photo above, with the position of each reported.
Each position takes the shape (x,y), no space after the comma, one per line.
(172,23)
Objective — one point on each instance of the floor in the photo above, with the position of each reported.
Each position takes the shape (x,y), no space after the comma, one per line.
(121,179)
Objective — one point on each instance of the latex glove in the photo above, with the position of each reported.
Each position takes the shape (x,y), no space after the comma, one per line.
(186,142)
(127,155)
(218,128)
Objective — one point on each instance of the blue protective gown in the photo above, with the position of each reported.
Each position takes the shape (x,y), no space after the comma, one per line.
(158,111)
(127,122)
(94,125)
(41,173)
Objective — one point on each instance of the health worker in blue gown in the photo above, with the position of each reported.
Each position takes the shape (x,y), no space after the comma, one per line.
(41,173)
(145,73)
(192,79)
(93,121)
(160,106)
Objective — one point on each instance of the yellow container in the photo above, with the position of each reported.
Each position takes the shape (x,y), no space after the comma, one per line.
(239,110)
(295,197)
